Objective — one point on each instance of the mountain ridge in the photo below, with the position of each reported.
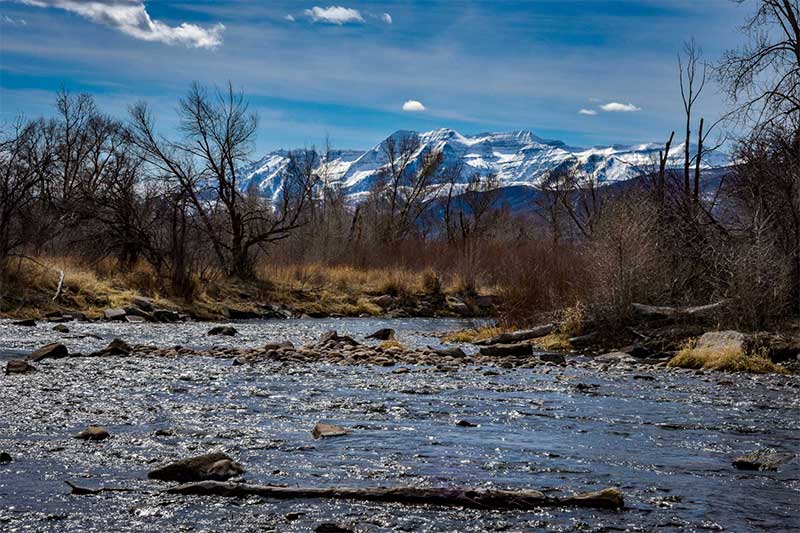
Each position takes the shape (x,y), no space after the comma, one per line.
(517,157)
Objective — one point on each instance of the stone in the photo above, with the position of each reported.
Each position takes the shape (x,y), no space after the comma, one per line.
(454,352)
(223,330)
(19,366)
(614,357)
(322,431)
(636,350)
(209,467)
(383,334)
(61,328)
(457,306)
(466,424)
(27,323)
(115,347)
(555,358)
(116,313)
(485,300)
(5,458)
(50,351)
(92,433)
(165,315)
(766,459)
(143,303)
(330,527)
(721,340)
(135,319)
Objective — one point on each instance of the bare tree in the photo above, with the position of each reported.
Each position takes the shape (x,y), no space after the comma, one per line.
(219,131)
(762,77)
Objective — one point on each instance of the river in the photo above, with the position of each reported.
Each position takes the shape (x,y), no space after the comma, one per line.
(665,438)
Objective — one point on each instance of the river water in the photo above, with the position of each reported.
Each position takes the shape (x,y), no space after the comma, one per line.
(666,438)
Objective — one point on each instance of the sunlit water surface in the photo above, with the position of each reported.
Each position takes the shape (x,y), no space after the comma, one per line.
(667,443)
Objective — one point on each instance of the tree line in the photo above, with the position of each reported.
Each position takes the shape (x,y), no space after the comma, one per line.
(86,184)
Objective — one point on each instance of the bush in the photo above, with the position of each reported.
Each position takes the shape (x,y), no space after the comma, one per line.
(731,359)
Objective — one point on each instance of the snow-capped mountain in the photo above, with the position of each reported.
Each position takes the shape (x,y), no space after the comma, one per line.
(517,158)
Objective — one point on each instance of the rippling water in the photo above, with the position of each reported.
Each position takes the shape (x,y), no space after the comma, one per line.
(667,443)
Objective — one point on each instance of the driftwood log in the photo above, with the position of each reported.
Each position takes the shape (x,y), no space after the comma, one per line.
(506,350)
(610,498)
(519,336)
(678,312)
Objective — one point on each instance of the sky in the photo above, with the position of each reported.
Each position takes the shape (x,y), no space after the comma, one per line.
(585,72)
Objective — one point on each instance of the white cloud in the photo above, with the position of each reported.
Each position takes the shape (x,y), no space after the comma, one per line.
(387,18)
(290,18)
(590,112)
(617,107)
(413,106)
(131,17)
(334,15)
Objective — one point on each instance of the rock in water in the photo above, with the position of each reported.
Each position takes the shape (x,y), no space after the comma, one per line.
(115,347)
(466,424)
(50,351)
(454,352)
(330,527)
(768,459)
(116,313)
(61,328)
(721,340)
(93,433)
(322,430)
(27,323)
(210,467)
(503,350)
(19,366)
(383,334)
(5,458)
(555,358)
(223,330)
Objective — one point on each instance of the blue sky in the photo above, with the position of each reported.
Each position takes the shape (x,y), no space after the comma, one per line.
(312,72)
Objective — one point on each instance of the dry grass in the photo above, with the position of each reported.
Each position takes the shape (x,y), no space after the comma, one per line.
(473,335)
(730,359)
(554,341)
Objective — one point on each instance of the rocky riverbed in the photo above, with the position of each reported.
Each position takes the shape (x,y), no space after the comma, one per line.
(414,416)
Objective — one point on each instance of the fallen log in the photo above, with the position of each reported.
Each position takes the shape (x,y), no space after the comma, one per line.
(610,498)
(518,336)
(505,350)
(677,312)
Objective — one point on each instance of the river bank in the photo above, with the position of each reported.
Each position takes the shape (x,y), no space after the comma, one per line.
(666,437)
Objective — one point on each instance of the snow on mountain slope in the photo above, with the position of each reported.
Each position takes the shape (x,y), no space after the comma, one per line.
(517,158)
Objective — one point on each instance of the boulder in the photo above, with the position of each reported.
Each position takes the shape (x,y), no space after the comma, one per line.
(383,334)
(115,347)
(722,340)
(209,467)
(767,459)
(454,352)
(50,351)
(165,315)
(116,313)
(27,323)
(143,303)
(331,527)
(322,431)
(456,305)
(503,350)
(466,424)
(555,358)
(19,366)
(92,433)
(61,328)
(223,330)
(5,458)
(636,350)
